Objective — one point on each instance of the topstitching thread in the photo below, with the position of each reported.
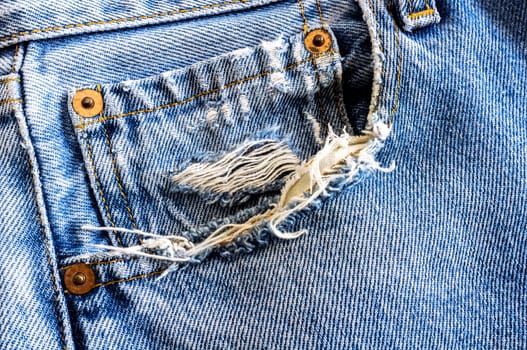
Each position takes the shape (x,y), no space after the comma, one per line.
(120,20)
(83,124)
(44,240)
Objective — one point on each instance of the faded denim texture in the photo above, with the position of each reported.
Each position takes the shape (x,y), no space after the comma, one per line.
(418,239)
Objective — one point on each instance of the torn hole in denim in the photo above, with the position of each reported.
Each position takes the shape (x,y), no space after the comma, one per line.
(341,162)
(253,167)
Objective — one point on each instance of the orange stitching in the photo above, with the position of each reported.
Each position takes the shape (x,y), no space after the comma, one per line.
(117,178)
(111,261)
(399,65)
(427,5)
(8,80)
(302,12)
(11,100)
(90,155)
(48,256)
(320,12)
(410,6)
(103,262)
(205,93)
(129,279)
(420,14)
(14,59)
(126,19)
(119,184)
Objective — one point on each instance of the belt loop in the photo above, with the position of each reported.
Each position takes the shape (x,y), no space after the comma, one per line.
(415,14)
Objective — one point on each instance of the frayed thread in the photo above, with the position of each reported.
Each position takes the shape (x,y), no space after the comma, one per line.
(340,161)
(251,166)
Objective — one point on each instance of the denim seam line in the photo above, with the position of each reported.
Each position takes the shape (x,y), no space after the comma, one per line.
(11,100)
(416,15)
(303,14)
(125,19)
(9,80)
(399,67)
(122,280)
(48,258)
(13,64)
(424,13)
(107,262)
(119,184)
(117,177)
(99,186)
(33,173)
(84,124)
(319,102)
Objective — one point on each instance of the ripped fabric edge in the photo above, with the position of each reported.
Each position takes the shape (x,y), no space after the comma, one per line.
(342,159)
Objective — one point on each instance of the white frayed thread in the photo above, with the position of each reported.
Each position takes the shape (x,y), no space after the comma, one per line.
(244,104)
(212,114)
(226,111)
(251,166)
(315,125)
(342,157)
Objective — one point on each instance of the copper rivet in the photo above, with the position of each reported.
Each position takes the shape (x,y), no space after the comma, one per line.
(79,278)
(317,41)
(88,103)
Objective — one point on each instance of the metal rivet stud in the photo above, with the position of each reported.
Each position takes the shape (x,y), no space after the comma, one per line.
(317,41)
(88,103)
(79,279)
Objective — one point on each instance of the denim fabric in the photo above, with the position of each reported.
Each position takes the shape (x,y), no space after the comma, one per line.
(429,253)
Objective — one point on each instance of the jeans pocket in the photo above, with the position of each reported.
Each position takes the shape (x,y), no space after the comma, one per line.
(211,145)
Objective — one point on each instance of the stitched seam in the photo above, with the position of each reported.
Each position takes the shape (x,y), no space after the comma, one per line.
(381,44)
(121,20)
(338,98)
(117,177)
(45,242)
(119,184)
(427,5)
(319,98)
(410,6)
(14,58)
(399,65)
(420,14)
(48,258)
(8,80)
(111,261)
(302,12)
(320,12)
(129,279)
(99,186)
(205,93)
(381,47)
(11,100)
(317,79)
(103,262)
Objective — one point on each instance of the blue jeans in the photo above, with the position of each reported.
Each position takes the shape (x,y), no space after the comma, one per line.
(263,174)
